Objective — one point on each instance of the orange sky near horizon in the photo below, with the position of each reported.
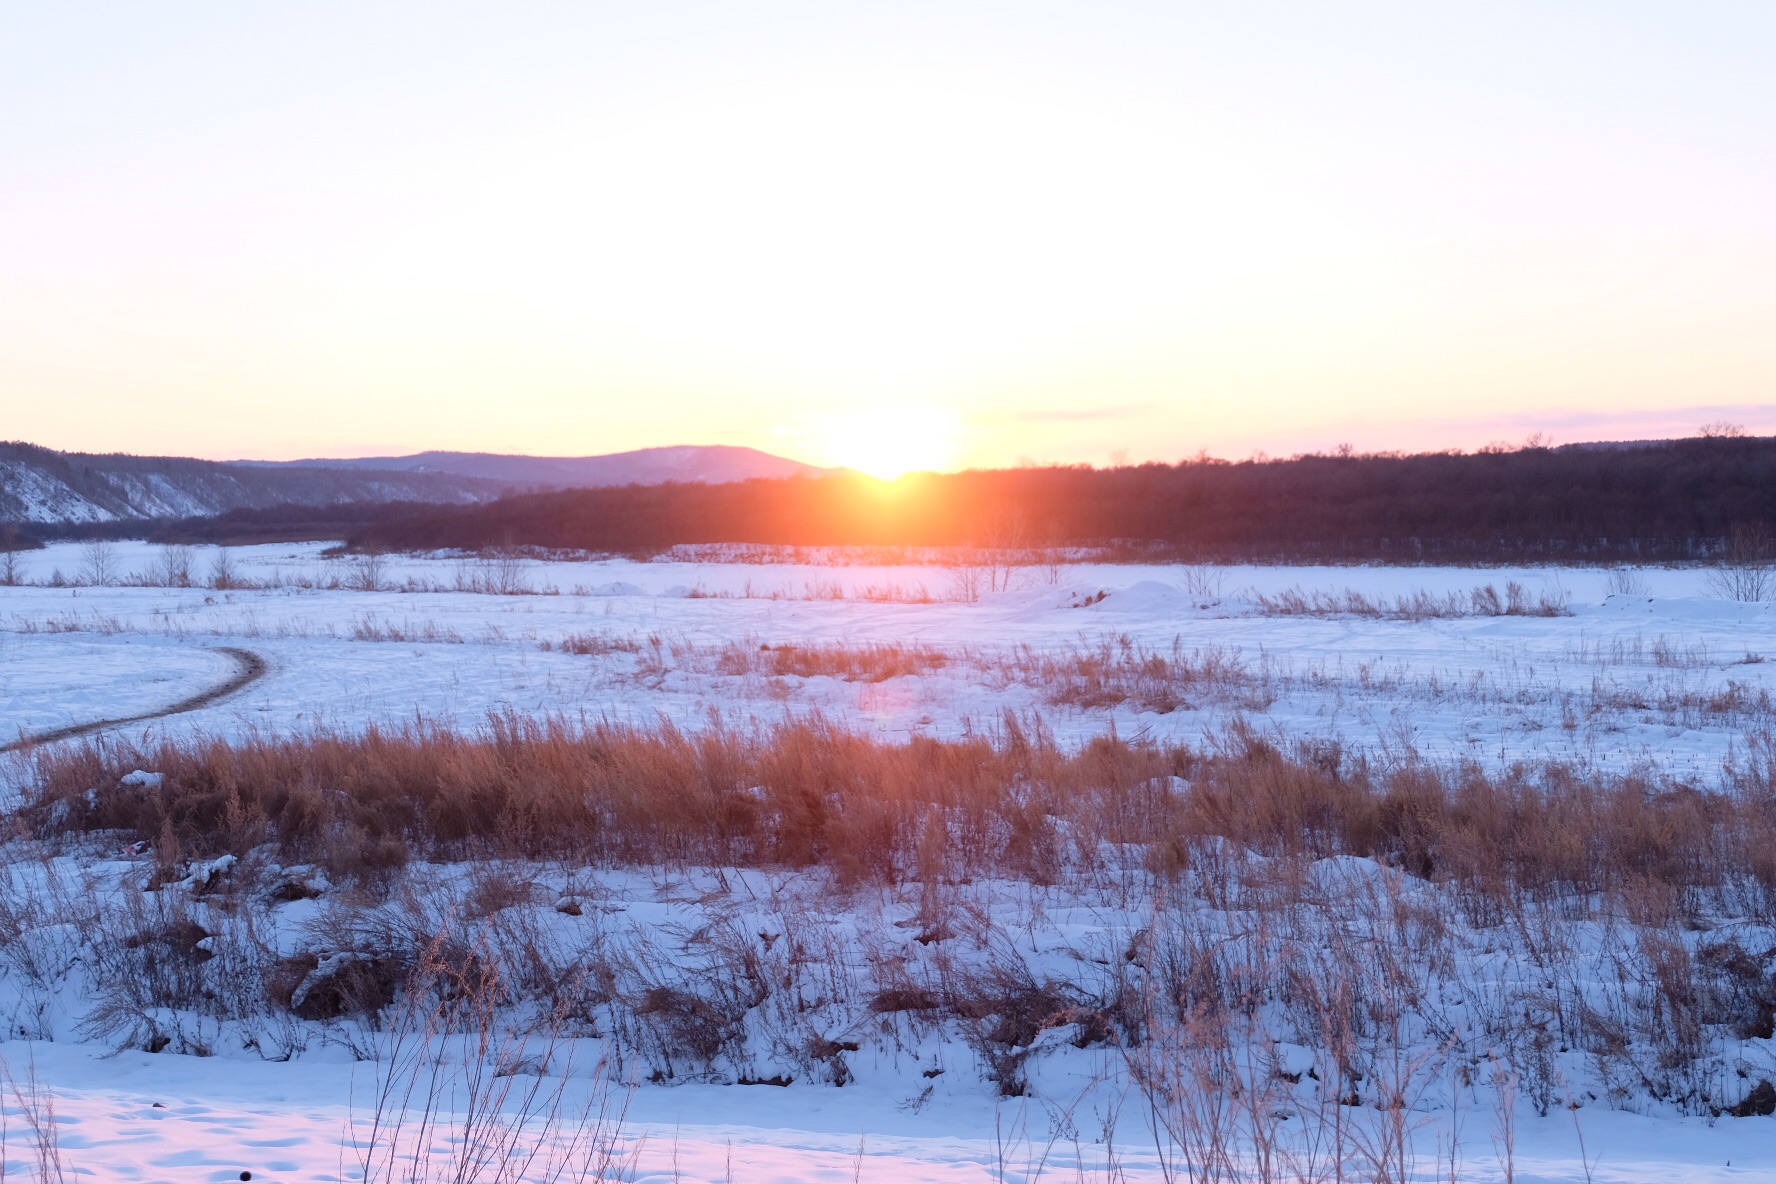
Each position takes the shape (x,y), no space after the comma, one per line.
(886,236)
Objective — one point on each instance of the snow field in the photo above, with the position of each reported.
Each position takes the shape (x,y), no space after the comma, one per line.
(1463,1019)
(1672,678)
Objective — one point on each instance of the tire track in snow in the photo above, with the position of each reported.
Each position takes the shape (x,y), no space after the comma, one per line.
(250,668)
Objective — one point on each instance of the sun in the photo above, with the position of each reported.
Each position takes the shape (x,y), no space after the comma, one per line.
(888,442)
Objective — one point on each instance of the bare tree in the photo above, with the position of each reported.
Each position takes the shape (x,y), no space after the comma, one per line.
(996,566)
(967,579)
(98,563)
(12,544)
(172,567)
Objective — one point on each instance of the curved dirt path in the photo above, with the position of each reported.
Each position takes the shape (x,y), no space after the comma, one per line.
(251,667)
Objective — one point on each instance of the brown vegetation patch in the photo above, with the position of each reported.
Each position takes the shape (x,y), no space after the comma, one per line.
(807,793)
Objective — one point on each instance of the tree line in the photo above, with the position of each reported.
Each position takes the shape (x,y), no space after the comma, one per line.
(1650,502)
(1669,500)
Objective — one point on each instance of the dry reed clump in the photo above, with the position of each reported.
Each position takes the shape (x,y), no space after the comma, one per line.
(868,662)
(593,645)
(372,628)
(1422,605)
(808,793)
(1118,670)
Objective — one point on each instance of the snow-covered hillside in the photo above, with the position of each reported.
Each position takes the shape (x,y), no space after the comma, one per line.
(40,485)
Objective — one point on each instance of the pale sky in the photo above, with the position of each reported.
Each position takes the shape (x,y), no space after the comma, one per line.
(900,233)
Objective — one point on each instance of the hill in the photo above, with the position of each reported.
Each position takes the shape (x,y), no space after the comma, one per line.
(43,486)
(711,464)
(67,490)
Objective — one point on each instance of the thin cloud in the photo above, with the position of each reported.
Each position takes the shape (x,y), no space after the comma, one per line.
(1122,411)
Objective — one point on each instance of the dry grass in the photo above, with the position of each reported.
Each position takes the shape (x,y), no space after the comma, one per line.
(808,793)
(370,627)
(1118,670)
(593,645)
(1617,918)
(1121,672)
(869,662)
(1422,605)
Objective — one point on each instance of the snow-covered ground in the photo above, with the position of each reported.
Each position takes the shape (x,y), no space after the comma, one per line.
(873,1094)
(1671,676)
(173,1120)
(1662,673)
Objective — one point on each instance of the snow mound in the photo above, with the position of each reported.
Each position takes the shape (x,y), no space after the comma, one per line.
(1148,596)
(619,588)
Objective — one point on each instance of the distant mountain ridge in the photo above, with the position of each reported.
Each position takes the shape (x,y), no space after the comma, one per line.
(46,487)
(708,464)
(42,485)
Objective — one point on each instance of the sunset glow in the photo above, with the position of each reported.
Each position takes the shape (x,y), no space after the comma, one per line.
(1085,230)
(889,442)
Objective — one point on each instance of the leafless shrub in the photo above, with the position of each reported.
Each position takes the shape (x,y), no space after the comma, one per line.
(458,1095)
(1188,1072)
(335,983)
(1626,581)
(369,572)
(1504,1135)
(499,571)
(1746,570)
(34,1102)
(1202,579)
(223,575)
(1003,1009)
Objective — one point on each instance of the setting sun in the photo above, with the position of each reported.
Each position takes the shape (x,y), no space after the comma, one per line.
(888,442)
